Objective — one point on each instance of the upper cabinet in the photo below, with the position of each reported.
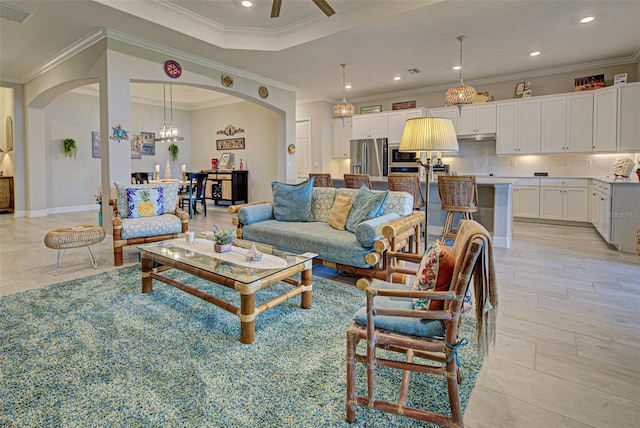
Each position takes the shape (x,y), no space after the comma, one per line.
(341,136)
(396,120)
(518,127)
(477,119)
(372,125)
(449,112)
(616,118)
(567,122)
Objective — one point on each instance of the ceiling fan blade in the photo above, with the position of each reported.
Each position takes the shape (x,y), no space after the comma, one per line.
(324,6)
(275,8)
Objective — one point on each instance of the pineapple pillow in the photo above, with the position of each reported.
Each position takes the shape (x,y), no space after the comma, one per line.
(146,202)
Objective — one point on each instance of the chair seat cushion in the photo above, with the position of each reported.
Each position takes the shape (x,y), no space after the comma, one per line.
(165,224)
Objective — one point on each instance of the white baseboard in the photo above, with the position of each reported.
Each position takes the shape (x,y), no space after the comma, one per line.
(73,209)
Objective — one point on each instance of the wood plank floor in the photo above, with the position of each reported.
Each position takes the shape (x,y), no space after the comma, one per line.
(568,344)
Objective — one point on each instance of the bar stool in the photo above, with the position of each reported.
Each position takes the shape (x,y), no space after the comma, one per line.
(410,183)
(459,194)
(355,181)
(322,179)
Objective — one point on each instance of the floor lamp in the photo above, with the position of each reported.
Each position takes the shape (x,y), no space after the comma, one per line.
(428,134)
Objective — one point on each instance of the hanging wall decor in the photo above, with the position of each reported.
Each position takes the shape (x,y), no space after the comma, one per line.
(227,81)
(291,149)
(230,130)
(263,92)
(173,69)
(95,144)
(119,134)
(148,143)
(136,147)
(230,144)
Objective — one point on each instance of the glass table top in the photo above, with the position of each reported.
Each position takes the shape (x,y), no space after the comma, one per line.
(222,263)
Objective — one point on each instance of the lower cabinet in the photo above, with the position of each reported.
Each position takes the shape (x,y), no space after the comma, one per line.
(526,201)
(228,186)
(564,200)
(601,208)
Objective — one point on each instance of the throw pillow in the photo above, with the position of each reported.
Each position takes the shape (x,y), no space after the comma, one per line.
(340,212)
(292,202)
(145,202)
(366,205)
(434,274)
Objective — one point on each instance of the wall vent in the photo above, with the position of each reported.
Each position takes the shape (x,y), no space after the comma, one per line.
(414,70)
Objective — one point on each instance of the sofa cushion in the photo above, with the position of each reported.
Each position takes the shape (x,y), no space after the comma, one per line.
(370,230)
(255,213)
(292,202)
(145,202)
(340,212)
(366,205)
(400,203)
(434,273)
(338,246)
(169,195)
(164,224)
(322,202)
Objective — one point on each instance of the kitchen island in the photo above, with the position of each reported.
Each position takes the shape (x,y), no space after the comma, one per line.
(494,206)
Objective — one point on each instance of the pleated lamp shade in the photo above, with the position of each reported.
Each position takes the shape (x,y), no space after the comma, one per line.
(429,134)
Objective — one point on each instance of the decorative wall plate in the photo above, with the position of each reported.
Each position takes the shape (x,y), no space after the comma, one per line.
(227,81)
(291,149)
(173,69)
(263,92)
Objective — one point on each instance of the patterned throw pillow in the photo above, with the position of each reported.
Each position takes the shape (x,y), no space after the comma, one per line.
(434,274)
(366,205)
(340,212)
(292,202)
(145,202)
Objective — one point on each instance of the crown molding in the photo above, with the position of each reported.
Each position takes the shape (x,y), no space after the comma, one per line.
(508,77)
(317,99)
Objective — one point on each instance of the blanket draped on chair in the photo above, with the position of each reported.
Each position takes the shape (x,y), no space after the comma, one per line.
(485,286)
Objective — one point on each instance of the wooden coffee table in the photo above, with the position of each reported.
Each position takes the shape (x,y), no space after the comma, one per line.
(246,277)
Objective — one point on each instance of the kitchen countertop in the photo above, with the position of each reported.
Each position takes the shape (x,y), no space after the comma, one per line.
(504,179)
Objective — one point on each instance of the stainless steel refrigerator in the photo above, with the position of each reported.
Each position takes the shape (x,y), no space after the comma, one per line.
(370,156)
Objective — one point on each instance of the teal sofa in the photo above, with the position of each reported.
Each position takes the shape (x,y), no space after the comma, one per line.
(362,252)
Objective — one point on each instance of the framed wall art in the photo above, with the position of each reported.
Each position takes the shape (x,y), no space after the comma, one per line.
(226,161)
(588,83)
(136,147)
(230,144)
(370,109)
(148,143)
(95,144)
(403,105)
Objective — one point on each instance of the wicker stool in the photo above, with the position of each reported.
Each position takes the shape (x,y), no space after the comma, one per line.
(459,194)
(74,237)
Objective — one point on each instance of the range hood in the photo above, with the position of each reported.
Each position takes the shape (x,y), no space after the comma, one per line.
(472,138)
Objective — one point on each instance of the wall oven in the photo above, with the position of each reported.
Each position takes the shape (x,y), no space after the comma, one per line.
(402,161)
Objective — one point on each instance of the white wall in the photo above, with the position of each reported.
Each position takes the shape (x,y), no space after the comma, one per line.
(261,151)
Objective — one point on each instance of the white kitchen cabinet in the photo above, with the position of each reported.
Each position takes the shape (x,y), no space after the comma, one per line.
(518,127)
(526,201)
(372,125)
(477,119)
(449,112)
(601,208)
(567,122)
(564,199)
(629,117)
(342,133)
(396,120)
(605,119)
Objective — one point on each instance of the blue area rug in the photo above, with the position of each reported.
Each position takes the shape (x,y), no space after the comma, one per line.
(97,352)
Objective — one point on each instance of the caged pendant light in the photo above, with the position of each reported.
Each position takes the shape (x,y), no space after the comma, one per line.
(168,132)
(460,94)
(343,109)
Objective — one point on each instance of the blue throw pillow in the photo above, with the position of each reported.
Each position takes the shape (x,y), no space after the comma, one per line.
(292,202)
(366,205)
(145,202)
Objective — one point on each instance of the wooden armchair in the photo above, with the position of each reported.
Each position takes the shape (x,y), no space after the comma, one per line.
(142,230)
(356,181)
(391,313)
(322,179)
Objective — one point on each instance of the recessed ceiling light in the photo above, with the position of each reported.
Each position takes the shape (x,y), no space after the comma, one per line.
(246,3)
(457,67)
(347,86)
(397,78)
(587,19)
(536,53)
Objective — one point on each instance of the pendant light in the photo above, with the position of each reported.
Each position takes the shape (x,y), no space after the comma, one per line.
(168,132)
(344,109)
(460,94)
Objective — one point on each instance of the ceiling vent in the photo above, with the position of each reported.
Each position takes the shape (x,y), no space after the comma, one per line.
(13,13)
(414,70)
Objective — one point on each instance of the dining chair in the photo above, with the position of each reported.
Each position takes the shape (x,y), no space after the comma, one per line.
(425,334)
(195,192)
(459,195)
(356,181)
(139,178)
(410,183)
(322,179)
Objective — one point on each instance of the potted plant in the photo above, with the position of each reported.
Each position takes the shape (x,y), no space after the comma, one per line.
(223,238)
(173,151)
(69,148)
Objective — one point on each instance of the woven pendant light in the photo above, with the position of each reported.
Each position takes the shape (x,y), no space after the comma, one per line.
(343,109)
(460,94)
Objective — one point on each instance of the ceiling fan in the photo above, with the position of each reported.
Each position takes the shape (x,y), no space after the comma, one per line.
(322,4)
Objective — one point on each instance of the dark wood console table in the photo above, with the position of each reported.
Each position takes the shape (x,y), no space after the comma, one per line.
(6,194)
(228,186)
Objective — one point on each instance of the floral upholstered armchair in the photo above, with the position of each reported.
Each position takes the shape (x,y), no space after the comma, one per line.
(145,213)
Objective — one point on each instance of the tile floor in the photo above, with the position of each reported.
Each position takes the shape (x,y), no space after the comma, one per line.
(568,344)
